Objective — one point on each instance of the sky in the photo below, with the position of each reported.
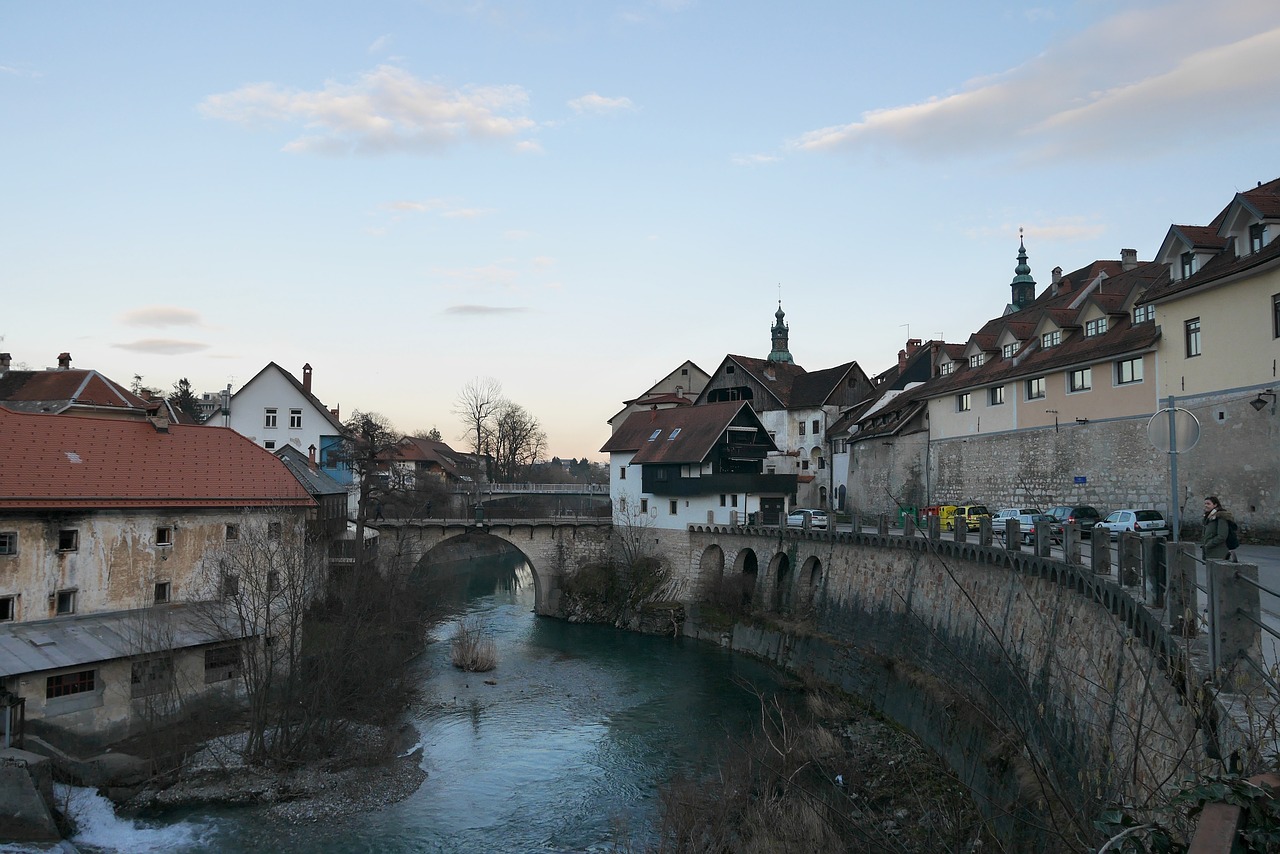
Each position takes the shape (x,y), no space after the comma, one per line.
(574,197)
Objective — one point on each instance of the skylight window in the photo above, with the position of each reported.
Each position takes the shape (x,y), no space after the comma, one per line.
(674,433)
(655,434)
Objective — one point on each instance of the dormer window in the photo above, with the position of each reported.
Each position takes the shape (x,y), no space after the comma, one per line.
(976,360)
(674,433)
(1257,236)
(1143,313)
(1095,327)
(947,368)
(1188,264)
(655,434)
(1051,339)
(1009,350)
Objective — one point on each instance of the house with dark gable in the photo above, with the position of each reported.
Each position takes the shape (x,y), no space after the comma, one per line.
(695,464)
(796,407)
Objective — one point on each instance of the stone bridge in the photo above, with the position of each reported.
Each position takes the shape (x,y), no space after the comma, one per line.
(1039,682)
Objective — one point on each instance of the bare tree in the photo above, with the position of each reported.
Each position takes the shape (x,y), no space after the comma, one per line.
(368,447)
(476,405)
(518,441)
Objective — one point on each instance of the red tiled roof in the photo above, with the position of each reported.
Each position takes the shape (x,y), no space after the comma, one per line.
(54,391)
(92,463)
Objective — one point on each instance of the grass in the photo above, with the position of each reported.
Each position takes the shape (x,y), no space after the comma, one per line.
(472,650)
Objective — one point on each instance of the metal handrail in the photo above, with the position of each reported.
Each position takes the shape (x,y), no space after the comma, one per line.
(1262,671)
(1257,623)
(1261,587)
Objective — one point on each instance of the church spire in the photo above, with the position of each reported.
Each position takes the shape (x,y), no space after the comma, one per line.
(780,353)
(1022,286)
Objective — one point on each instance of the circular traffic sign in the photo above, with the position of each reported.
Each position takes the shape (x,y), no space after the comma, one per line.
(1173,430)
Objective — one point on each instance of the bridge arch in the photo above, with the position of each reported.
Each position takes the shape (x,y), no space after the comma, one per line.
(810,581)
(747,567)
(780,572)
(711,565)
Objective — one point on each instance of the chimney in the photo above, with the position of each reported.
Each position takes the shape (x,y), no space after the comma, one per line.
(306,378)
(679,391)
(5,361)
(653,412)
(334,413)
(1057,275)
(311,457)
(902,359)
(1128,258)
(64,361)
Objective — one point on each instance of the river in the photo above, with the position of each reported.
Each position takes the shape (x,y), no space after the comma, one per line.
(580,727)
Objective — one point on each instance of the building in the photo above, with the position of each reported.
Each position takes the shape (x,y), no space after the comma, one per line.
(107,529)
(695,464)
(274,409)
(678,388)
(65,390)
(796,407)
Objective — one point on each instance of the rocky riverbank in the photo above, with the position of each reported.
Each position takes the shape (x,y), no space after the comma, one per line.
(375,767)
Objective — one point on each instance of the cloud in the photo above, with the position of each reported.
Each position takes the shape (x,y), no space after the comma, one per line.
(753,159)
(1126,98)
(412,207)
(385,110)
(529,146)
(163,346)
(485,310)
(1065,229)
(19,72)
(380,43)
(593,103)
(542,262)
(161,315)
(466,213)
(517,234)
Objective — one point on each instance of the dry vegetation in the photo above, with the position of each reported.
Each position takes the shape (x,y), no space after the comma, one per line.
(472,650)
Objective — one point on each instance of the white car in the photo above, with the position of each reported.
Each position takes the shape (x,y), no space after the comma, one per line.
(998,520)
(1027,525)
(816,518)
(1140,521)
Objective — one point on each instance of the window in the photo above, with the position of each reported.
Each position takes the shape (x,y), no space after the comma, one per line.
(673,506)
(1275,333)
(644,505)
(1188,264)
(66,684)
(1095,327)
(1257,236)
(1082,379)
(1009,350)
(1143,313)
(269,444)
(817,427)
(151,676)
(164,536)
(68,541)
(822,462)
(804,465)
(724,499)
(1051,339)
(733,500)
(674,433)
(273,530)
(270,419)
(995,395)
(295,419)
(947,368)
(802,428)
(8,542)
(976,360)
(273,580)
(728,369)
(230,585)
(233,532)
(962,402)
(1128,371)
(771,470)
(1035,389)
(162,592)
(221,663)
(1193,337)
(684,372)
(65,602)
(8,608)
(622,472)
(655,434)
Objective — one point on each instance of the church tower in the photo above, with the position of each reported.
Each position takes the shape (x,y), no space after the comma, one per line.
(780,353)
(1023,286)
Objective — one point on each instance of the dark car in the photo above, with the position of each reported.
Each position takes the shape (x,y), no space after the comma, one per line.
(1081,514)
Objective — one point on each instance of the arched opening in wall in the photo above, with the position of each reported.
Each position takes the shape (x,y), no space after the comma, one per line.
(711,565)
(822,496)
(811,578)
(474,564)
(747,570)
(840,496)
(780,571)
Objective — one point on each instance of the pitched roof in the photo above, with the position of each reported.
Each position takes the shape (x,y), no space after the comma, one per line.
(777,377)
(314,480)
(815,388)
(684,435)
(94,463)
(421,450)
(56,391)
(308,396)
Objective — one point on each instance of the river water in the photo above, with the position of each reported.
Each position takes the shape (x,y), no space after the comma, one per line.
(571,742)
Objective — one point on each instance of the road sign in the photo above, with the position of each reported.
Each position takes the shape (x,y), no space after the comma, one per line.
(1173,430)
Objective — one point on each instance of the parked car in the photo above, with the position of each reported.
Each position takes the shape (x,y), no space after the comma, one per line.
(1027,525)
(969,514)
(1131,519)
(816,518)
(1081,514)
(1005,513)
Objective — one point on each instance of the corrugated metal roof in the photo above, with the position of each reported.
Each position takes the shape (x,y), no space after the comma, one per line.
(73,641)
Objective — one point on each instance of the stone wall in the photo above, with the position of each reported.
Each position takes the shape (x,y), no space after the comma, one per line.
(1026,675)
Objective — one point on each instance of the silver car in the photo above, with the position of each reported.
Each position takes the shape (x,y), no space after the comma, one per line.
(1139,521)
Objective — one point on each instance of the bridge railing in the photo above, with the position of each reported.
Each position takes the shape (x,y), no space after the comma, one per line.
(601,489)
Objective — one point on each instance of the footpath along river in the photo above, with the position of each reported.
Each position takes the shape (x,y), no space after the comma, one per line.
(572,741)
